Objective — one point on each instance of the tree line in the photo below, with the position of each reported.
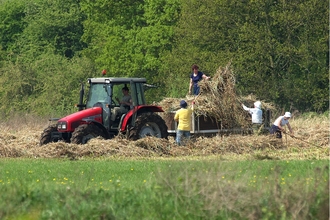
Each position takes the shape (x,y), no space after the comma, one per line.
(279,50)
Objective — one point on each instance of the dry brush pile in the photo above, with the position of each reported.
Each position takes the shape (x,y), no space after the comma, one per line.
(218,99)
(20,138)
(312,144)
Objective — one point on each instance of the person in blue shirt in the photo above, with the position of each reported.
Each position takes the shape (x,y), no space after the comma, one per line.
(195,77)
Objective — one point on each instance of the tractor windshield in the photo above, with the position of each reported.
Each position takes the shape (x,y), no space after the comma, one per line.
(98,93)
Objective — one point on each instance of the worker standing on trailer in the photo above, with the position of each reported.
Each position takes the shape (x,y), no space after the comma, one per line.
(279,123)
(195,77)
(256,113)
(183,117)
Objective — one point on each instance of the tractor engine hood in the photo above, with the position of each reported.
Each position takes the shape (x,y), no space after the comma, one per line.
(71,122)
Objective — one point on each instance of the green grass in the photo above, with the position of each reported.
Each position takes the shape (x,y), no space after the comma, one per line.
(85,174)
(163,189)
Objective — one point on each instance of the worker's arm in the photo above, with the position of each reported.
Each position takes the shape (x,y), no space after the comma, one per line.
(176,117)
(206,77)
(125,103)
(290,129)
(190,85)
(245,108)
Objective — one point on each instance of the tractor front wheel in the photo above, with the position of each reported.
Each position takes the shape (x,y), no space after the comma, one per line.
(83,133)
(46,136)
(148,124)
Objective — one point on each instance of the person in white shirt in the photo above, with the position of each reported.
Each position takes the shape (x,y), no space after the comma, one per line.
(256,113)
(279,123)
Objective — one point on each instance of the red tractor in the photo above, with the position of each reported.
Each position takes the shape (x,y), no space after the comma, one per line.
(94,118)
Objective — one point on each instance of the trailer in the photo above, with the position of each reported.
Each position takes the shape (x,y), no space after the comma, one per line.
(208,126)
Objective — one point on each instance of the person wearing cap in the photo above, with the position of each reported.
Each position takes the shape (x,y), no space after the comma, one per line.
(195,77)
(183,117)
(256,113)
(279,123)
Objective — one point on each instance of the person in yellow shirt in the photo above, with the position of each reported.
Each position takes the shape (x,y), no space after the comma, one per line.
(183,117)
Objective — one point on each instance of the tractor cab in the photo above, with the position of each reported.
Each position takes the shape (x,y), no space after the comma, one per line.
(105,93)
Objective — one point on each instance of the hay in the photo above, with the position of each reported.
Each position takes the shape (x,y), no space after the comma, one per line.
(24,143)
(218,100)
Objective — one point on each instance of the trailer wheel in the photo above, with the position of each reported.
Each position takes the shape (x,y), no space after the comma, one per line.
(46,136)
(148,124)
(83,133)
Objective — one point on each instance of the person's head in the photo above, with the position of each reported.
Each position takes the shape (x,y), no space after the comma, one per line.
(257,104)
(183,104)
(287,115)
(125,90)
(194,68)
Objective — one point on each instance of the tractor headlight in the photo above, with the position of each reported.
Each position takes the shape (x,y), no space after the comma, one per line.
(61,125)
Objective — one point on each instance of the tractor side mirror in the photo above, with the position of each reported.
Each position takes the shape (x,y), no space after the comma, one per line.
(149,86)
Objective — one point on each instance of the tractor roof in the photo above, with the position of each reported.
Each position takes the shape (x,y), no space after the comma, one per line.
(117,80)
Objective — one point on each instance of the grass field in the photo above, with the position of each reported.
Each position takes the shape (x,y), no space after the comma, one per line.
(163,189)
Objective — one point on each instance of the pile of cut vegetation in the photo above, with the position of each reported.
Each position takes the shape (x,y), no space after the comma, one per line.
(311,141)
(218,100)
(233,147)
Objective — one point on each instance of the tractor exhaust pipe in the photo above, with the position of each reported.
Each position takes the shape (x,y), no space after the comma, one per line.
(81,105)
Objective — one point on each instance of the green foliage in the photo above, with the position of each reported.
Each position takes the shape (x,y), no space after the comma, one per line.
(48,86)
(60,73)
(279,50)
(131,36)
(12,23)
(18,82)
(108,29)
(199,38)
(11,27)
(310,115)
(52,25)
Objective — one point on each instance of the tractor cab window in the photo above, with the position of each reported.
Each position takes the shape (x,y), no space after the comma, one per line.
(137,94)
(98,93)
(117,92)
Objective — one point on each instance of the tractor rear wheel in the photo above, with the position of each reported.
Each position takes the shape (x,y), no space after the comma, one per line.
(46,136)
(148,124)
(83,133)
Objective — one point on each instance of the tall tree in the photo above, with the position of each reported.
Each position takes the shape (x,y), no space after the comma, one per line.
(40,36)
(53,25)
(127,37)
(204,35)
(12,14)
(278,49)
(12,22)
(277,61)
